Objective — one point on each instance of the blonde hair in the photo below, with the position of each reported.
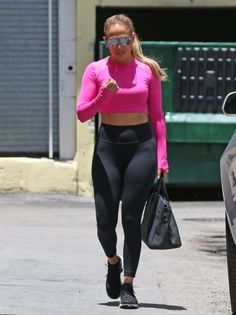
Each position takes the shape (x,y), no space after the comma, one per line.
(136,46)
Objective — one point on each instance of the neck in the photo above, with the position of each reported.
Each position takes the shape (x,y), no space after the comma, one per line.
(125,61)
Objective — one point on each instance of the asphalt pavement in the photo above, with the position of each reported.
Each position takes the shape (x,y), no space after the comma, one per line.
(52,263)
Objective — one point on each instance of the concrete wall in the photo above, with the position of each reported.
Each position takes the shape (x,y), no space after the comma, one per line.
(37,175)
(165,3)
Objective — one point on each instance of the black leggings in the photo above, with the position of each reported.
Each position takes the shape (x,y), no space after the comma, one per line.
(124,168)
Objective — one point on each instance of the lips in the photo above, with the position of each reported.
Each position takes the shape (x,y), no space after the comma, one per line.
(120,53)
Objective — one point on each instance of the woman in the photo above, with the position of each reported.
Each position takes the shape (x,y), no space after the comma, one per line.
(125,88)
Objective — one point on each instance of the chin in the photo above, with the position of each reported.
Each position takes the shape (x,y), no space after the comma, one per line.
(122,58)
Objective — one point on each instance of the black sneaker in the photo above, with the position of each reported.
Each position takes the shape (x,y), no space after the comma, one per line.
(113,282)
(127,297)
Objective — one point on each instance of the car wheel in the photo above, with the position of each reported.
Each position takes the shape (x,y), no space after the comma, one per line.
(231,260)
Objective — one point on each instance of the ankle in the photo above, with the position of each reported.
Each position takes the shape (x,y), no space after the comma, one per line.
(128,280)
(113,260)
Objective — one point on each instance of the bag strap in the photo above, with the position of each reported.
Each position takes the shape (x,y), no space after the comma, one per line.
(163,188)
(160,187)
(157,187)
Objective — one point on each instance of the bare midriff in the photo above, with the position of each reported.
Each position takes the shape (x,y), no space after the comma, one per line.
(124,119)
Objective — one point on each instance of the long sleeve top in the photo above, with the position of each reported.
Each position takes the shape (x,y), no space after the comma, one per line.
(139,92)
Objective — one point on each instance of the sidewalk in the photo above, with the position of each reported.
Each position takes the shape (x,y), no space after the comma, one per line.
(52,263)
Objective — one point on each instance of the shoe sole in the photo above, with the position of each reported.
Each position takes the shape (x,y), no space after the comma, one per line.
(128,306)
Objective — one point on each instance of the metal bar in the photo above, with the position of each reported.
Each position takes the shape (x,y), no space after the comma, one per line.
(50,91)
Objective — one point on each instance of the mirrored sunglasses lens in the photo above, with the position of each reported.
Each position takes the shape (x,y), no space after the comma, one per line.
(112,42)
(125,41)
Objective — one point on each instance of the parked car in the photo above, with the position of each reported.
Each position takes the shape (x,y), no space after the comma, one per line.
(228,182)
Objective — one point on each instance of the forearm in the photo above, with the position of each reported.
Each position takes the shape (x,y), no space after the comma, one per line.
(157,120)
(86,108)
(161,144)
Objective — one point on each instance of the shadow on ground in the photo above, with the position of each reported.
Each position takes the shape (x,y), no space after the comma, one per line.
(150,305)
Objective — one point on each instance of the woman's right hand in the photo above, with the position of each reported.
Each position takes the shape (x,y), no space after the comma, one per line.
(163,172)
(111,85)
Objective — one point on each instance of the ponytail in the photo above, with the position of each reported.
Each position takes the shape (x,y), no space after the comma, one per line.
(153,64)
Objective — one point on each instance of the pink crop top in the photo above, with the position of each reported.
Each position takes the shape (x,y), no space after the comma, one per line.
(139,92)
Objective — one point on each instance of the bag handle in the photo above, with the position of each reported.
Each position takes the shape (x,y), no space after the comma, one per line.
(160,187)
(158,184)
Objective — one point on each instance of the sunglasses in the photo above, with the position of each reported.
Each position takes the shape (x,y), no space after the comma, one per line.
(124,41)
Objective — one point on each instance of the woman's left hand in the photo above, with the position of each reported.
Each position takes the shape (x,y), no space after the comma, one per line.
(164,172)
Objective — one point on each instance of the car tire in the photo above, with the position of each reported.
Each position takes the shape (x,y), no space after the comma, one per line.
(231,261)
